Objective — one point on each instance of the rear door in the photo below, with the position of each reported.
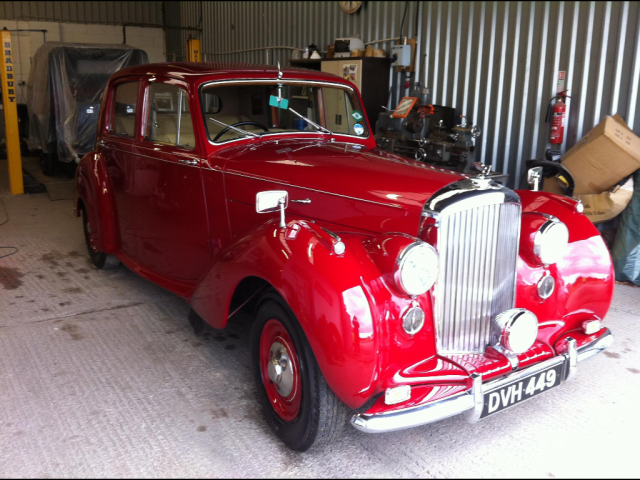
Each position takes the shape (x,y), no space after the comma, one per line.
(170,207)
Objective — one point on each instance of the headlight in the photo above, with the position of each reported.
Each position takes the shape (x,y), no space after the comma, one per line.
(550,242)
(417,268)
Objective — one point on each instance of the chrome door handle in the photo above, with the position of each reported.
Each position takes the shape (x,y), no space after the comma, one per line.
(306,200)
(188,161)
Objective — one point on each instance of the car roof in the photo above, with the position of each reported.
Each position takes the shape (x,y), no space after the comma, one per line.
(193,71)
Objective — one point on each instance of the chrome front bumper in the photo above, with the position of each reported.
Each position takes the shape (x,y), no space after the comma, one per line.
(471,402)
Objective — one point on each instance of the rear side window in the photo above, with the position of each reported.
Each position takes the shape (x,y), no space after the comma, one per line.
(169,118)
(124,110)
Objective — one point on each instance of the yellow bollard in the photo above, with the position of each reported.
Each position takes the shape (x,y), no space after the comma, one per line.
(11,115)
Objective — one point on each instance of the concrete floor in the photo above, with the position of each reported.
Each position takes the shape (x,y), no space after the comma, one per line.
(101,376)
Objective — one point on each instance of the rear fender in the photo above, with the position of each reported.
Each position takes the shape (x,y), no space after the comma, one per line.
(92,187)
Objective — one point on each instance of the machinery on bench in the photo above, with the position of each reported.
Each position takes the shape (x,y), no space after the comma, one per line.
(427,132)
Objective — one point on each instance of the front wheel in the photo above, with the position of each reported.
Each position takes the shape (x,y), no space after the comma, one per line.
(100,259)
(298,404)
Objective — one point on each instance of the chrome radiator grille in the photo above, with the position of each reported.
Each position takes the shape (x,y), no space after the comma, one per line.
(478,250)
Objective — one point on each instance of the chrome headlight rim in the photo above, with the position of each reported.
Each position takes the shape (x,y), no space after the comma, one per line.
(541,250)
(401,265)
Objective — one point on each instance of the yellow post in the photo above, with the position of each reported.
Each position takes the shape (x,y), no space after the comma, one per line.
(11,115)
(193,50)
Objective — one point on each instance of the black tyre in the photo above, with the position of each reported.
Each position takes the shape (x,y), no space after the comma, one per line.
(47,162)
(297,402)
(100,259)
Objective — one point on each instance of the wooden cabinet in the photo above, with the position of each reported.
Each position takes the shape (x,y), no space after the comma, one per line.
(369,74)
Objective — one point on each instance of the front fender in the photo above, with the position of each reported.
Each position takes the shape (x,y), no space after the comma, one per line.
(346,309)
(92,187)
(584,276)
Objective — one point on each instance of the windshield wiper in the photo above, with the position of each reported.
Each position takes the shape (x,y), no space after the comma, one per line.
(314,124)
(244,132)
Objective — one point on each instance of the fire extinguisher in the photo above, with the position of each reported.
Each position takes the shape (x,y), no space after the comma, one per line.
(556,115)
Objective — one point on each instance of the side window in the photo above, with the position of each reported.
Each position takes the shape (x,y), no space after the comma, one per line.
(169,118)
(124,110)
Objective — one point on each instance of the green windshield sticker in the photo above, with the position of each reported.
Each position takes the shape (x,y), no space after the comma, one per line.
(283,103)
(357,116)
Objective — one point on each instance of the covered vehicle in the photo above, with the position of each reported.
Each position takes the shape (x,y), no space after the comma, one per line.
(385,292)
(64,91)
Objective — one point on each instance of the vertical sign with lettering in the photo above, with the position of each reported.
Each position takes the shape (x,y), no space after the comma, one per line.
(11,115)
(193,50)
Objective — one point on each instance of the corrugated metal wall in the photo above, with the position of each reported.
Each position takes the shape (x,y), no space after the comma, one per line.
(112,13)
(496,62)
(175,43)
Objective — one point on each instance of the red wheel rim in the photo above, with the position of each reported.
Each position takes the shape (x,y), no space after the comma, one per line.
(280,370)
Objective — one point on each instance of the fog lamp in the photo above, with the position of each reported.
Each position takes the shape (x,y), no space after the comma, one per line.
(515,330)
(413,320)
(397,394)
(592,326)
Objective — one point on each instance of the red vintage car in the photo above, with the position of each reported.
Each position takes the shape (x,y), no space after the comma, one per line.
(386,292)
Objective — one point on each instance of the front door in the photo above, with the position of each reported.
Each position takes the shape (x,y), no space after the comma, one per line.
(170,208)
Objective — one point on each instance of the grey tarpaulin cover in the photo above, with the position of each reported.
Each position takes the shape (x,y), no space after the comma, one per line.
(64,91)
(626,248)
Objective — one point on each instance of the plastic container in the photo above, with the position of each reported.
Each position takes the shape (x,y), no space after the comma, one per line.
(300,124)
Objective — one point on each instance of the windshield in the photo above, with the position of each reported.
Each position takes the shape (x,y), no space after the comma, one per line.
(246,107)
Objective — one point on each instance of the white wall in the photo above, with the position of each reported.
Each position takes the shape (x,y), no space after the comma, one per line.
(25,44)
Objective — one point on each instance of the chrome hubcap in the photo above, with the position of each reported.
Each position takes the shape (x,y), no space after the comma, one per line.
(280,371)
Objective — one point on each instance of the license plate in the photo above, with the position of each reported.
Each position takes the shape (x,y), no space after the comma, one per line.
(521,390)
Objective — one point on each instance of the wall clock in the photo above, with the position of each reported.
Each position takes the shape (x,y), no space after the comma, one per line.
(350,7)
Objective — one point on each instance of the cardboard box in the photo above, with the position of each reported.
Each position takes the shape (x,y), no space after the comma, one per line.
(600,207)
(603,157)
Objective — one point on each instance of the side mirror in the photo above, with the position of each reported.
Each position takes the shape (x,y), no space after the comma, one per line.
(272,201)
(534,176)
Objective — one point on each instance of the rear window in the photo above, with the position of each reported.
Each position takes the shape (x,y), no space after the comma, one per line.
(124,110)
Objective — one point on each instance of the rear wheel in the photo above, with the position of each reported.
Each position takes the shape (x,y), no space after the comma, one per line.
(100,259)
(297,402)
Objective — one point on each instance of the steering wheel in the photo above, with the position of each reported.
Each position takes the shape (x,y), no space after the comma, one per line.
(226,129)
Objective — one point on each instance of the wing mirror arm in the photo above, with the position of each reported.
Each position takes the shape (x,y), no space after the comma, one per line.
(281,202)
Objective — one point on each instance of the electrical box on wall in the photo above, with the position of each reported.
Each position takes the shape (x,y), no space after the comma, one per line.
(402,55)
